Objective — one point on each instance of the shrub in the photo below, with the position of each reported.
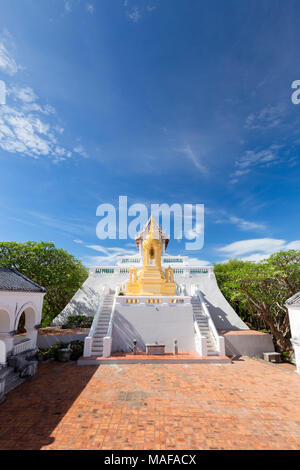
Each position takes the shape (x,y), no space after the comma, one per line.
(76,348)
(78,321)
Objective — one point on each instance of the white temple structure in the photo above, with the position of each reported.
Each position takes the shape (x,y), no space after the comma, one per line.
(196,314)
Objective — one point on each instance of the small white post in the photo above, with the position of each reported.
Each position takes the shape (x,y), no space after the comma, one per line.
(107,343)
(221,345)
(203,346)
(87,350)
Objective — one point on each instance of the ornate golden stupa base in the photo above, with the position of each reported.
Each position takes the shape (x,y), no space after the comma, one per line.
(152,279)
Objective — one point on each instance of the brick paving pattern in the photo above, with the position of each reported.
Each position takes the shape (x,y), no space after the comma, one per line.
(246,405)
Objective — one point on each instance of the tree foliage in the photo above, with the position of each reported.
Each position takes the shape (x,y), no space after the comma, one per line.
(258,292)
(53,268)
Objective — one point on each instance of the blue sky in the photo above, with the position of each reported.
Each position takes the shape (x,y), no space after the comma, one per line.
(162,101)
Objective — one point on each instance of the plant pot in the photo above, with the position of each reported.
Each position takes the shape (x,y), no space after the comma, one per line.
(63,355)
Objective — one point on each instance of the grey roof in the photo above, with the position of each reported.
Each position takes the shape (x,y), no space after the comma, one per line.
(295,300)
(13,280)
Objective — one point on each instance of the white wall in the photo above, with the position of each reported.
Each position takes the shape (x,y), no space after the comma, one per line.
(12,304)
(294,317)
(151,323)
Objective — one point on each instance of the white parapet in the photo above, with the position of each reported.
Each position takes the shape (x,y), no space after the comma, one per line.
(22,346)
(107,343)
(87,350)
(152,300)
(293,306)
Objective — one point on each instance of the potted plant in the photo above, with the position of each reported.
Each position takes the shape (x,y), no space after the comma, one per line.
(64,353)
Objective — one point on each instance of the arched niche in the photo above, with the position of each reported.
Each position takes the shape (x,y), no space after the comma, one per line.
(28,318)
(4,321)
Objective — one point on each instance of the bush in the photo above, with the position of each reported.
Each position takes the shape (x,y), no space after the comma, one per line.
(50,353)
(76,348)
(53,268)
(78,321)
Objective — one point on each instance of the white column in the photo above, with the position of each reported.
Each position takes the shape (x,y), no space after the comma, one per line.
(107,343)
(8,339)
(294,317)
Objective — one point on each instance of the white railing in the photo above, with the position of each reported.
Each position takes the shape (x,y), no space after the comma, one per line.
(23,346)
(200,341)
(219,340)
(152,300)
(107,340)
(88,340)
(185,271)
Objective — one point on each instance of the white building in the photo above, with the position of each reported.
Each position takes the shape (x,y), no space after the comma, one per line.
(198,316)
(293,306)
(20,299)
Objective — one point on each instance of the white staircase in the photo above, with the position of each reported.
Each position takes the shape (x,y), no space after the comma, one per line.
(202,322)
(102,325)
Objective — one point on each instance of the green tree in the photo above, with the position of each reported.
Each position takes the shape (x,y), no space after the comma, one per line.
(258,292)
(53,268)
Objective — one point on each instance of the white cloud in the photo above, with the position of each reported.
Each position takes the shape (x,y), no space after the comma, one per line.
(261,158)
(243,224)
(8,64)
(190,154)
(90,8)
(266,245)
(257,249)
(25,133)
(268,118)
(195,232)
(110,255)
(100,248)
(295,245)
(68,6)
(23,128)
(81,151)
(134,15)
(25,94)
(70,226)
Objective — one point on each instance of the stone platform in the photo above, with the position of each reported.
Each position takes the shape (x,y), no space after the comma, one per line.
(143,358)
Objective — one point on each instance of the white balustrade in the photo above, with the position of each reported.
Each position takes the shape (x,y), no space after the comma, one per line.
(200,341)
(219,340)
(185,271)
(88,340)
(152,300)
(23,346)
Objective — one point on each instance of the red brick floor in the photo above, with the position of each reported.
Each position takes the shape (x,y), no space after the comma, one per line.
(246,405)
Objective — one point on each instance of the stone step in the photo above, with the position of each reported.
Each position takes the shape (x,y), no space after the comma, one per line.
(12,381)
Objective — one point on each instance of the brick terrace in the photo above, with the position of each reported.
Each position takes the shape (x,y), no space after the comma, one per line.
(246,405)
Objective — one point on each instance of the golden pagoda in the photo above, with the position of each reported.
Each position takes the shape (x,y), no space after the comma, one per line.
(152,280)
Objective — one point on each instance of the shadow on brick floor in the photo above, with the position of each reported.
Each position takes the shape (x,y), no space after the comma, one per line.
(33,410)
